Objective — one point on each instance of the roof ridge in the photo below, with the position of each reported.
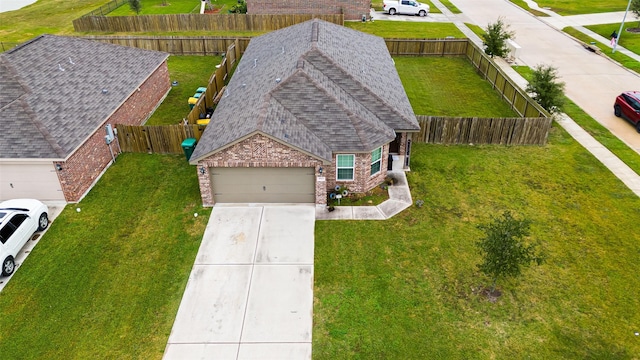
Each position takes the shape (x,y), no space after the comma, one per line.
(379,124)
(361,84)
(43,130)
(33,117)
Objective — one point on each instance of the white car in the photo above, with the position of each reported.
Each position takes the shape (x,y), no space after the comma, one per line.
(19,219)
(408,7)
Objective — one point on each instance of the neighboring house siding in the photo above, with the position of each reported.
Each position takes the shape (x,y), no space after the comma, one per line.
(86,164)
(257,151)
(352,9)
(362,181)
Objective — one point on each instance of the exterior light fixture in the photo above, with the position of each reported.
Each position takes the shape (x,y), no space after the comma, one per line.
(320,170)
(202,170)
(58,167)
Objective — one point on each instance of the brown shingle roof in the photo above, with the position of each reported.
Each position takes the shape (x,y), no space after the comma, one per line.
(317,86)
(54,98)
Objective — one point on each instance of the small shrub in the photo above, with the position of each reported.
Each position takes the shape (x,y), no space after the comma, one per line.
(135,6)
(495,39)
(547,90)
(240,8)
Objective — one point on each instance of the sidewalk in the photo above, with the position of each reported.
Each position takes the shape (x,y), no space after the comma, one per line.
(399,199)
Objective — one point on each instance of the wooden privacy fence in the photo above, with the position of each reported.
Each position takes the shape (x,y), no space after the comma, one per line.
(165,139)
(196,22)
(177,45)
(216,85)
(430,47)
(522,103)
(503,131)
(517,98)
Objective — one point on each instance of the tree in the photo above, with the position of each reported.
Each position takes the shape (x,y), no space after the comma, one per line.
(240,8)
(136,6)
(495,39)
(547,90)
(503,250)
(635,9)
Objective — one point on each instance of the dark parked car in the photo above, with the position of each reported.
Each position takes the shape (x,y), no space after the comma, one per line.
(628,106)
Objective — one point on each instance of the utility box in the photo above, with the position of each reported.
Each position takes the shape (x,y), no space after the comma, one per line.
(188,145)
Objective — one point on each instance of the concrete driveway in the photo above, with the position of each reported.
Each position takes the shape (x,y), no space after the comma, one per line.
(592,81)
(250,292)
(55,208)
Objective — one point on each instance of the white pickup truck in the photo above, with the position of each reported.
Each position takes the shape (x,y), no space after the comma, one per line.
(405,7)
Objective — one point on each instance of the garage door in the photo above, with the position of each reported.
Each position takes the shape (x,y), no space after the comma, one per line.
(29,180)
(263,185)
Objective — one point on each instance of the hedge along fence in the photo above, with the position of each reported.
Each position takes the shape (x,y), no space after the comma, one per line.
(161,139)
(196,22)
(178,45)
(473,130)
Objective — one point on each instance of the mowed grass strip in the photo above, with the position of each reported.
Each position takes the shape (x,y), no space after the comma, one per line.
(408,287)
(449,86)
(624,60)
(157,7)
(575,7)
(595,129)
(407,30)
(106,282)
(191,72)
(628,40)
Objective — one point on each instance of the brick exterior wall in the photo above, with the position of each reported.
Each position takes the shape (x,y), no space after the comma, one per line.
(262,151)
(352,9)
(256,151)
(362,181)
(86,164)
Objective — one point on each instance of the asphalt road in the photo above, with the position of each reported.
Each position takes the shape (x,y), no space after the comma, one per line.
(592,81)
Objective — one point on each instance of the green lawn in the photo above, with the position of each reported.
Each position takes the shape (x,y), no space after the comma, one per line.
(106,282)
(155,7)
(621,58)
(595,129)
(523,4)
(44,16)
(449,5)
(408,287)
(628,40)
(448,86)
(190,72)
(397,29)
(574,7)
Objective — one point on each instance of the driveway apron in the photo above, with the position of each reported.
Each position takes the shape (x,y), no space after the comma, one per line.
(250,292)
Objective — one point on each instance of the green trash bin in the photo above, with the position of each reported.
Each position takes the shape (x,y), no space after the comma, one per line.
(188,145)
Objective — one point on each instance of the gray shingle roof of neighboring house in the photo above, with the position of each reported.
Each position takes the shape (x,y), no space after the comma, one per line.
(52,95)
(317,86)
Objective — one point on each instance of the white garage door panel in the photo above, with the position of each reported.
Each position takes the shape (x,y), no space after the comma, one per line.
(263,185)
(38,181)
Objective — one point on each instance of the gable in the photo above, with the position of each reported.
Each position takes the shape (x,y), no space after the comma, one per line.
(318,86)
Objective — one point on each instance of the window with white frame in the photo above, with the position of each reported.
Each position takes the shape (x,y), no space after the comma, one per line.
(345,165)
(376,161)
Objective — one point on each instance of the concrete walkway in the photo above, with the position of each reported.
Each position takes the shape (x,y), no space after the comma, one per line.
(399,199)
(592,81)
(250,292)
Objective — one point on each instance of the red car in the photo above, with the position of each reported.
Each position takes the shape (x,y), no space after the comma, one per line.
(628,106)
